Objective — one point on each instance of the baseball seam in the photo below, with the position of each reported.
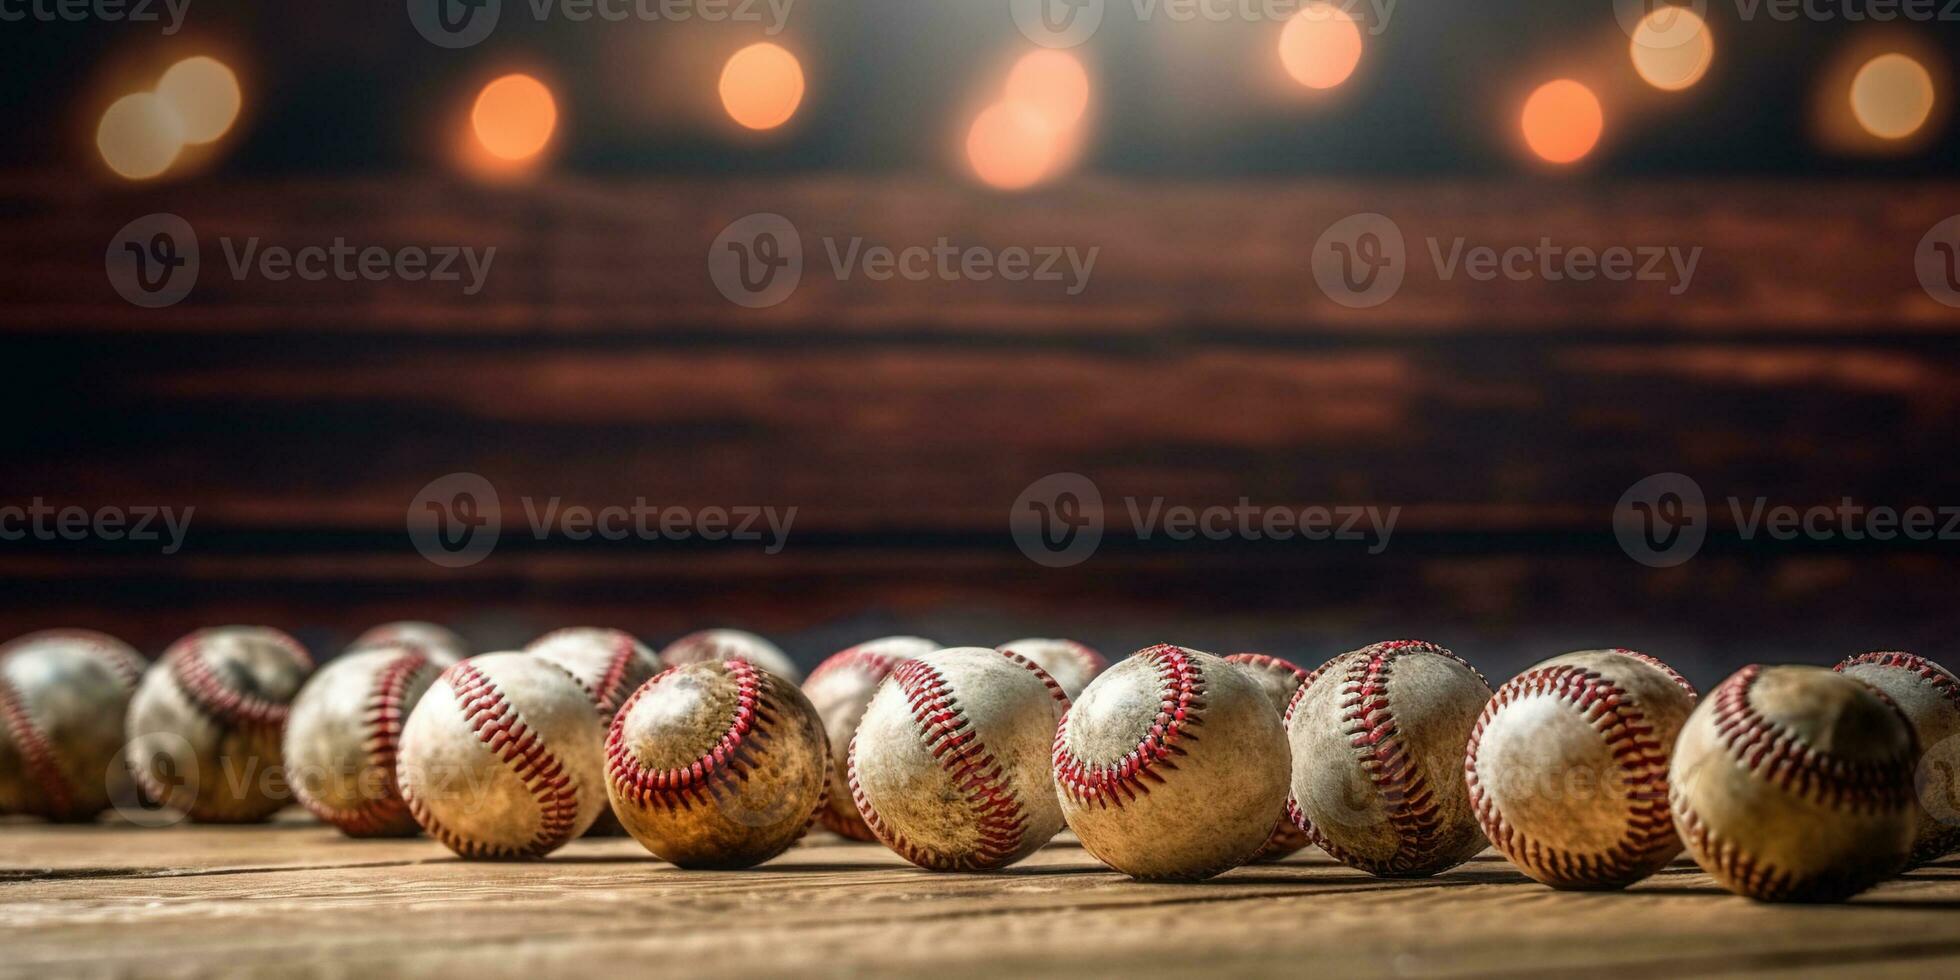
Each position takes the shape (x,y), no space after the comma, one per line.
(217,700)
(1629,736)
(844,819)
(1928,671)
(1181,686)
(606,692)
(496,723)
(876,665)
(1663,667)
(1265,661)
(731,758)
(1776,754)
(37,754)
(382,717)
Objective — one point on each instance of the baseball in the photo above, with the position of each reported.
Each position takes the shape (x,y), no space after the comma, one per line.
(206,725)
(500,759)
(344,736)
(63,697)
(439,643)
(717,765)
(1378,741)
(610,664)
(1795,784)
(1171,765)
(840,689)
(1073,665)
(1567,768)
(1930,697)
(1279,679)
(950,766)
(715,646)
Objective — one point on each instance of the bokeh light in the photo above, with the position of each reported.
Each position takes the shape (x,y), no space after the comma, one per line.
(1672,48)
(514,117)
(1320,45)
(204,94)
(761,86)
(1562,121)
(1012,145)
(139,136)
(1892,96)
(1052,83)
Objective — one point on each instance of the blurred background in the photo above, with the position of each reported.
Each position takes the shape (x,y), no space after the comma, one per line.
(1203,152)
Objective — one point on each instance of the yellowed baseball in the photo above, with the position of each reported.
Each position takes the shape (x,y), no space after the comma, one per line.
(64,695)
(1280,679)
(1929,695)
(1073,665)
(840,689)
(344,737)
(715,646)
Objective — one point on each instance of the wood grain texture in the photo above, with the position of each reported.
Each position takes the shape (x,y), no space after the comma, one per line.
(297,899)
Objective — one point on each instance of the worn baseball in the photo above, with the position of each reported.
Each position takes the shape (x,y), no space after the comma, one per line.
(1279,679)
(63,697)
(1073,665)
(840,689)
(343,738)
(1171,765)
(439,643)
(206,726)
(950,766)
(717,765)
(1795,784)
(1930,697)
(1567,767)
(1378,739)
(610,664)
(500,759)
(715,646)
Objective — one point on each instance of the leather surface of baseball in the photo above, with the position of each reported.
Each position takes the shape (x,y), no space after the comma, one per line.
(950,765)
(1795,784)
(1567,768)
(610,664)
(439,643)
(1929,695)
(1171,765)
(1378,742)
(64,695)
(1279,678)
(1073,665)
(717,765)
(840,689)
(501,758)
(207,725)
(344,736)
(715,646)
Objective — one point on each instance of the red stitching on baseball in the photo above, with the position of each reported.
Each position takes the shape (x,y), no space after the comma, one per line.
(1932,673)
(1091,662)
(1368,720)
(1640,756)
(877,665)
(1054,687)
(386,710)
(1182,705)
(1266,661)
(213,696)
(732,756)
(100,647)
(37,754)
(999,820)
(1776,753)
(490,715)
(1731,863)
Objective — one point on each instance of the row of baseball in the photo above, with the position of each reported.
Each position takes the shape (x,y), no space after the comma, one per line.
(1591,770)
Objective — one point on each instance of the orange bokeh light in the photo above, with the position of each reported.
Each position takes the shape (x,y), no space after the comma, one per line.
(761,86)
(204,93)
(514,117)
(1012,145)
(1052,83)
(139,136)
(1671,48)
(1320,45)
(1562,121)
(1892,96)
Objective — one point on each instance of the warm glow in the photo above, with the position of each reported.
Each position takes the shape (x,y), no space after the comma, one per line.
(514,117)
(1892,96)
(204,94)
(1012,146)
(1052,83)
(761,86)
(1562,121)
(1320,45)
(1672,48)
(139,136)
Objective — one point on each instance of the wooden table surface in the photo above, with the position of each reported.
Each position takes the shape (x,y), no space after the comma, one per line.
(296,898)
